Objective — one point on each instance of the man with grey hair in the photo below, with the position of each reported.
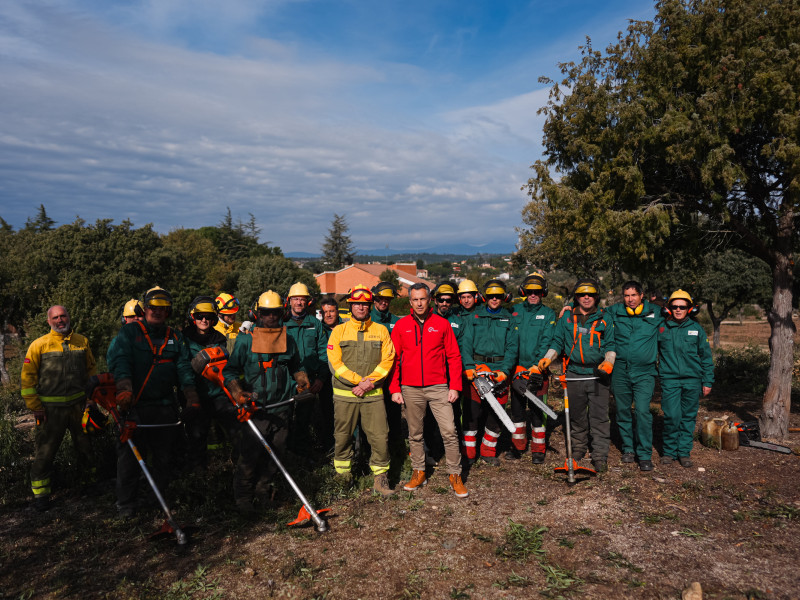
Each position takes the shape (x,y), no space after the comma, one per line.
(427,373)
(54,375)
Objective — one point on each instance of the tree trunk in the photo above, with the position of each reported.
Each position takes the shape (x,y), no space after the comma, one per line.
(774,420)
(716,323)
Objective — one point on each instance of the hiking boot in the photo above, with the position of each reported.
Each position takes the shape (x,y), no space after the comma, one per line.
(41,503)
(126,512)
(491,461)
(685,461)
(511,455)
(645,465)
(667,460)
(628,458)
(381,485)
(537,458)
(417,481)
(458,486)
(245,507)
(600,466)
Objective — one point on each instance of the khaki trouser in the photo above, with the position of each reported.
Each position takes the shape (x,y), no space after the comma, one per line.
(373,424)
(416,401)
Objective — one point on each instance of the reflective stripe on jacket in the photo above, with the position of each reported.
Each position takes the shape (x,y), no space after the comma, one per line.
(56,369)
(357,350)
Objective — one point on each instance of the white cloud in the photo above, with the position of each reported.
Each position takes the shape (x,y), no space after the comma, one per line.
(101,123)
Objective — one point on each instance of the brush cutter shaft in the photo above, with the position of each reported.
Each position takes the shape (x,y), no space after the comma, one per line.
(570,467)
(540,405)
(179,534)
(486,391)
(319,522)
(582,379)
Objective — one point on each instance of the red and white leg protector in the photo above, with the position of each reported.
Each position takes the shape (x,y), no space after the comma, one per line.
(537,440)
(489,443)
(470,444)
(520,437)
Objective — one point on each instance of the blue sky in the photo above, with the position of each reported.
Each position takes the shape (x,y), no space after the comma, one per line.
(416,120)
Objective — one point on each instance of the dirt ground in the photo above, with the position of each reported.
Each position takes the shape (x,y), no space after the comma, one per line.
(732,523)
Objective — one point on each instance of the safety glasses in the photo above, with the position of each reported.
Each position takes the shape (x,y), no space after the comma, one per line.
(444,299)
(361,296)
(232,303)
(678,307)
(265,312)
(204,316)
(495,297)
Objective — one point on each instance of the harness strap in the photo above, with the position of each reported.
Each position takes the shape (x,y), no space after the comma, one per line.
(157,359)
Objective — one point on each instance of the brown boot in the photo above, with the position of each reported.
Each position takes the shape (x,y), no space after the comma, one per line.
(458,486)
(418,481)
(381,485)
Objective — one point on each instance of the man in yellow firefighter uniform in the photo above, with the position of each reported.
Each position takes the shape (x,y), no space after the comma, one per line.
(54,375)
(360,356)
(228,309)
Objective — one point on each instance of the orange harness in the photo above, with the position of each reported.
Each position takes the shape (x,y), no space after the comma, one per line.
(157,360)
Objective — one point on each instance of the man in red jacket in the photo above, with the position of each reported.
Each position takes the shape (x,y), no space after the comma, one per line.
(427,372)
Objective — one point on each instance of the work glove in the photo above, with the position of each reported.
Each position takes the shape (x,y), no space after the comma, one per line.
(124,396)
(499,376)
(193,407)
(470,374)
(246,326)
(237,393)
(40,416)
(544,364)
(302,381)
(603,371)
(245,412)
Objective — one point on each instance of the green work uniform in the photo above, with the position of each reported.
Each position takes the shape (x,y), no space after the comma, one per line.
(384,318)
(685,366)
(311,339)
(584,340)
(634,376)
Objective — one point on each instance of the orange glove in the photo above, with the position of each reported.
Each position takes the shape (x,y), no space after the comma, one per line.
(606,367)
(470,373)
(244,412)
(499,376)
(544,364)
(534,370)
(237,393)
(302,381)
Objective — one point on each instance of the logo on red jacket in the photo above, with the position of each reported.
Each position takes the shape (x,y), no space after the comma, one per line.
(432,329)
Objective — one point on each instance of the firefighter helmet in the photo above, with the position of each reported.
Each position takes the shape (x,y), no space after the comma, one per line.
(227,304)
(360,293)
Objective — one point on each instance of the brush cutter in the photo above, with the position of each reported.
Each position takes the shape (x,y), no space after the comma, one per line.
(570,466)
(209,363)
(102,390)
(485,387)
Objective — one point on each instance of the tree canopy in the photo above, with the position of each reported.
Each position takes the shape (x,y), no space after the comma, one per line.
(338,249)
(683,134)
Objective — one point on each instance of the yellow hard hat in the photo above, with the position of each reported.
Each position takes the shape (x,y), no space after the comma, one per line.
(203,304)
(445,287)
(586,286)
(227,304)
(133,308)
(298,289)
(157,296)
(532,283)
(467,287)
(269,299)
(680,295)
(385,289)
(494,286)
(360,293)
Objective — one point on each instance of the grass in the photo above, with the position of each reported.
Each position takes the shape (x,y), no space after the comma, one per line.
(196,586)
(655,518)
(521,542)
(559,580)
(619,561)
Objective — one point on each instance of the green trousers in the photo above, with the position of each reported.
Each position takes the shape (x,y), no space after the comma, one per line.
(48,439)
(632,394)
(680,401)
(373,423)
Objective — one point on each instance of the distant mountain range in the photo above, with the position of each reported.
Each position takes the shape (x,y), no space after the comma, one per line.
(447,249)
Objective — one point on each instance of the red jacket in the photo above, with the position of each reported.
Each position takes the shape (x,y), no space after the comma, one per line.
(426,354)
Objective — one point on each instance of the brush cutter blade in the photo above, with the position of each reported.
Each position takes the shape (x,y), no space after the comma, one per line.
(303,516)
(576,468)
(167,529)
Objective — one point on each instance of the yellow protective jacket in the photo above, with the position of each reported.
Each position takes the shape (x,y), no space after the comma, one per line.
(229,331)
(56,370)
(357,350)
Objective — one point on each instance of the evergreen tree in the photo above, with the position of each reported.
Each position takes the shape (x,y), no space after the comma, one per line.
(338,249)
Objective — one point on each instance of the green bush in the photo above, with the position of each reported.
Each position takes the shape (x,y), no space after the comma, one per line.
(744,369)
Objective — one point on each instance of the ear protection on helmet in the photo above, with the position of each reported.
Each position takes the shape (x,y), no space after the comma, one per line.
(208,306)
(495,286)
(635,311)
(530,279)
(680,294)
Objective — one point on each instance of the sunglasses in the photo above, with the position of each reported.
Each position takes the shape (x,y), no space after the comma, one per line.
(204,316)
(679,307)
(444,299)
(584,295)
(265,312)
(495,297)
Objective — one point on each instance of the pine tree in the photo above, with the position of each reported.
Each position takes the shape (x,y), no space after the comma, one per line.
(338,249)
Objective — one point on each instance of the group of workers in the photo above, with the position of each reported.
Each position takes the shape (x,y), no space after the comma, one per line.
(360,377)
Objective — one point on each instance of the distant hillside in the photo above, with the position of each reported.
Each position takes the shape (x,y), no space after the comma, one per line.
(435,253)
